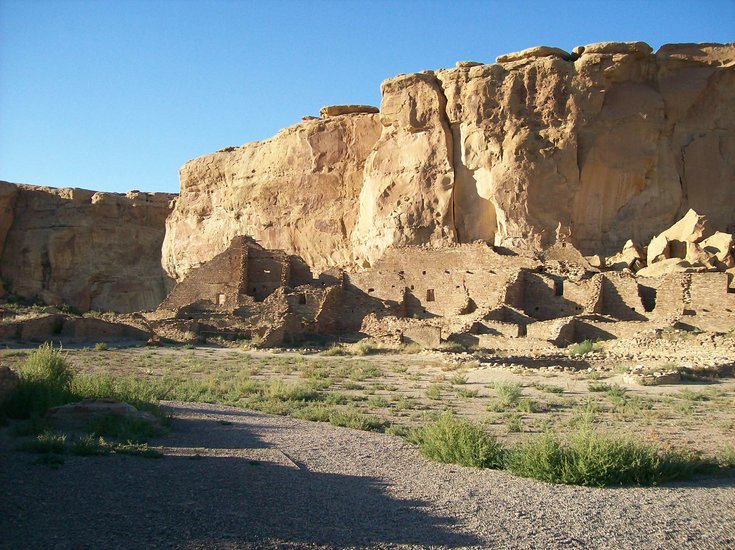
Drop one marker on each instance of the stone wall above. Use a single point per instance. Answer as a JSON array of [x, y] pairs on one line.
[[444, 282]]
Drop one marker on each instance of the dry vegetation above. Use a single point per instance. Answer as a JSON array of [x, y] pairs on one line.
[[395, 390]]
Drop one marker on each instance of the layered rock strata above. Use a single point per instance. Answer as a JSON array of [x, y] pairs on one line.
[[608, 143], [88, 250]]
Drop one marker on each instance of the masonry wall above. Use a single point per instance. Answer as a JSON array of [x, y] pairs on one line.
[[215, 285], [711, 306], [440, 282], [266, 271], [621, 298], [551, 296]]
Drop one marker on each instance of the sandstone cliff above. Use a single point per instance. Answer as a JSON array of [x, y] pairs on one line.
[[298, 191], [594, 147], [85, 249]]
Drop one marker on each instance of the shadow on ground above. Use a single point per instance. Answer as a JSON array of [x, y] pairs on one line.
[[207, 502]]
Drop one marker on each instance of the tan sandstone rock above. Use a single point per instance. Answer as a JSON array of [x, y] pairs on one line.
[[612, 48], [336, 110], [665, 267], [609, 147], [298, 191], [720, 245], [532, 53], [678, 240], [86, 249], [631, 257]]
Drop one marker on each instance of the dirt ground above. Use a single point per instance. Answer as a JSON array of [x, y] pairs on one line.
[[233, 478]]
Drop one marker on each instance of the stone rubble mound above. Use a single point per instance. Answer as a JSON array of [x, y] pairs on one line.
[[691, 244]]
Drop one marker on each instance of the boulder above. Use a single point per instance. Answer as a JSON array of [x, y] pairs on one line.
[[681, 241], [77, 416], [336, 110], [467, 64], [533, 53], [631, 257], [664, 267], [720, 245], [639, 49], [658, 250]]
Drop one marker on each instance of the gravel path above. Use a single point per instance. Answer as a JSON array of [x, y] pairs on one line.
[[239, 479]]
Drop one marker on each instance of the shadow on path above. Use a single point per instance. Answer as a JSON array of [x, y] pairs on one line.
[[212, 502]]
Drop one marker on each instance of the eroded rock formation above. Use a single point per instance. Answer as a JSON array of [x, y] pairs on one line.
[[609, 143], [81, 248], [298, 191]]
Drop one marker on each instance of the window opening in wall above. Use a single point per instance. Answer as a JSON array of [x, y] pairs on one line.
[[411, 287], [220, 299], [430, 295], [423, 272], [558, 287], [371, 290], [647, 295], [302, 298]]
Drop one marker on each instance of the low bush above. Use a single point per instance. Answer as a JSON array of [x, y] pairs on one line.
[[135, 430], [365, 347], [596, 459], [455, 441], [46, 442], [582, 348], [45, 381], [586, 457]]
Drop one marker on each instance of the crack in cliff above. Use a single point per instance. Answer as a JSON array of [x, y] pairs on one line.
[[454, 153]]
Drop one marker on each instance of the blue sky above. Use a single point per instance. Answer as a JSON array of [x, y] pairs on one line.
[[117, 95]]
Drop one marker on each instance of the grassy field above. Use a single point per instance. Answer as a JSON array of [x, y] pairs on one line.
[[394, 392]]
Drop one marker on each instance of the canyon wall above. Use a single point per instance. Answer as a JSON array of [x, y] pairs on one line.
[[88, 250], [594, 147]]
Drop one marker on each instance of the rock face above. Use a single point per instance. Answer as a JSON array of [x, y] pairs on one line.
[[85, 249], [298, 191], [609, 143]]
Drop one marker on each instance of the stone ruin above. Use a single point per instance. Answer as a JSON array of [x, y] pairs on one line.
[[472, 293]]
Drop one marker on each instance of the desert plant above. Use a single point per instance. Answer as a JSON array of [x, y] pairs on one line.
[[508, 395], [334, 349], [131, 429], [434, 391], [411, 348], [45, 381], [457, 379], [89, 445], [596, 459], [46, 442], [101, 346], [365, 347], [455, 441], [452, 346], [582, 348]]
